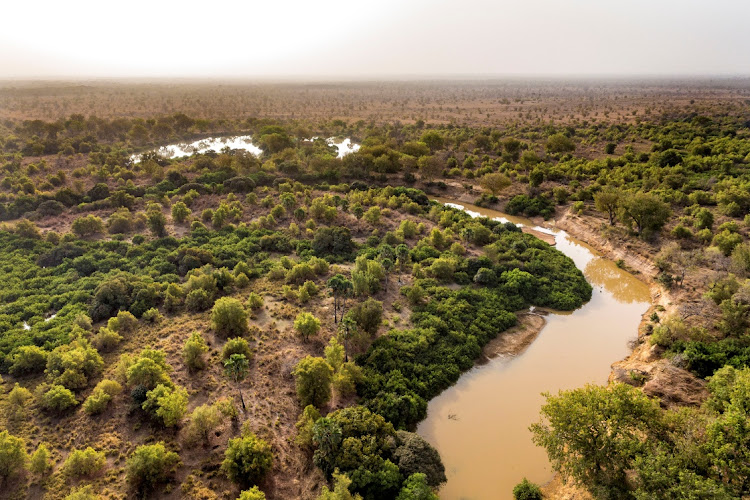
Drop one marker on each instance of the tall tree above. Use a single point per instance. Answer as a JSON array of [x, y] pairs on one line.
[[236, 368]]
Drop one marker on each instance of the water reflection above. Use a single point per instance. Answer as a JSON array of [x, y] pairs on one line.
[[241, 142], [480, 425]]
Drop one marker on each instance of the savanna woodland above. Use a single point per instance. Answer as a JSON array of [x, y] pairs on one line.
[[232, 325]]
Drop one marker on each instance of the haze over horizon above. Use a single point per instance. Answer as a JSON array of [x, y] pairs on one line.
[[338, 39]]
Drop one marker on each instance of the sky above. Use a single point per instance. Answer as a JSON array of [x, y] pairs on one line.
[[364, 39]]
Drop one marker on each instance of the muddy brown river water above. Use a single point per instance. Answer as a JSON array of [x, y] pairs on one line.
[[480, 425]]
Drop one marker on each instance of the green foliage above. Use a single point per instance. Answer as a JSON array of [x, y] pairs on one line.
[[236, 345], [247, 459], [333, 242], [313, 378], [254, 301], [13, 456], [252, 494], [29, 359], [367, 315], [100, 397], [526, 490], [306, 325], [57, 399], [150, 465], [359, 444], [305, 424], [166, 404], [203, 421], [340, 491], [416, 488], [72, 365], [193, 352], [18, 398], [645, 211], [84, 462], [86, 226], [83, 493], [228, 317], [148, 369], [41, 462], [616, 421], [414, 455]]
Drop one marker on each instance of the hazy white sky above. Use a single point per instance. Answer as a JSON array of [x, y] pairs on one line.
[[384, 38]]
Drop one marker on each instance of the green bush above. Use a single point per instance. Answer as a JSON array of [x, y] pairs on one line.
[[194, 350], [84, 462], [57, 399], [526, 490], [166, 404], [228, 317], [247, 460], [150, 465], [100, 397], [306, 325], [237, 345], [13, 456], [313, 379]]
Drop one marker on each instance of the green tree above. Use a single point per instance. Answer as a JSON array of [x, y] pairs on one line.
[[559, 143], [194, 350], [203, 421], [313, 378], [415, 455], [150, 465], [84, 462], [340, 288], [646, 211], [340, 491], [180, 212], [236, 345], [236, 368], [367, 315], [86, 226], [306, 325], [100, 397], [58, 399], [592, 434], [29, 359], [228, 317], [167, 404], [247, 459], [72, 365], [494, 182], [157, 222], [41, 463], [608, 201], [18, 398], [416, 488], [13, 456]]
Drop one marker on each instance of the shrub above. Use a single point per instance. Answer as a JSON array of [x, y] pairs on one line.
[[73, 364], [152, 316], [13, 456], [29, 359], [313, 379], [254, 301], [88, 225], [41, 463], [150, 465], [203, 421], [193, 351], [84, 462], [237, 345], [180, 212], [18, 397], [124, 322], [415, 455], [247, 459], [58, 399], [306, 325], [100, 397], [228, 317], [198, 300], [526, 490], [167, 404], [83, 493], [148, 369], [368, 315], [252, 494], [106, 340], [416, 487]]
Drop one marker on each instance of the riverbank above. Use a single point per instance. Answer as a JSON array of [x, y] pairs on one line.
[[515, 340]]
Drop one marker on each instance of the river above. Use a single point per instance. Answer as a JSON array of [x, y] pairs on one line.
[[480, 424]]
